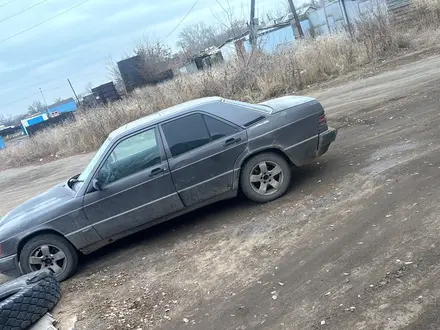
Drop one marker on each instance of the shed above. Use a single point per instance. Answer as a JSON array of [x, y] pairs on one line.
[[27, 122], [68, 105], [106, 92]]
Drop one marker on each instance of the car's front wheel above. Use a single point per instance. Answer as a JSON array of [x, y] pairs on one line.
[[49, 251], [265, 177]]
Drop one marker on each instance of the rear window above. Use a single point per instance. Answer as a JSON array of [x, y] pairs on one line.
[[252, 107], [242, 114]]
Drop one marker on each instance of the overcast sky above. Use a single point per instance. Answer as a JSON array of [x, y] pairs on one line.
[[76, 44]]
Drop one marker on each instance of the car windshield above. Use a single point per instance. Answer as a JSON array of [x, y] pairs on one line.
[[88, 170]]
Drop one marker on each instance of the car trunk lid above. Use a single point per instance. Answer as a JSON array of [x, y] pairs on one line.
[[286, 102]]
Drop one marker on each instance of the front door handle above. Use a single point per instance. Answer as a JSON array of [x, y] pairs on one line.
[[157, 171], [228, 142]]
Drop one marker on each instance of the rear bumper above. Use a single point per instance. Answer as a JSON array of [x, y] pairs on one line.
[[9, 266], [325, 139]]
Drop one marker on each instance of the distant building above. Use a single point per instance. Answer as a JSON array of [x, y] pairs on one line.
[[304, 12], [131, 72], [89, 101], [27, 122], [102, 94], [270, 38], [8, 130], [106, 93], [64, 106], [202, 60], [58, 112]]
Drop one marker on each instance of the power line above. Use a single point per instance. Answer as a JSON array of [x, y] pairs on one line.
[[6, 3], [181, 21], [43, 22], [24, 10], [17, 101], [62, 13], [28, 97], [49, 90], [91, 74]]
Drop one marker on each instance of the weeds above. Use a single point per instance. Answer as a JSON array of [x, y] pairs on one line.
[[427, 13], [254, 78]]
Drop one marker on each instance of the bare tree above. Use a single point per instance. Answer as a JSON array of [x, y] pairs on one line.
[[89, 88], [282, 10], [6, 120], [197, 37], [155, 57], [36, 107], [232, 25], [114, 75]]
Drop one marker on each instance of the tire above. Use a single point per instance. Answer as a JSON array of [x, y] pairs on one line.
[[251, 172], [62, 268], [27, 299]]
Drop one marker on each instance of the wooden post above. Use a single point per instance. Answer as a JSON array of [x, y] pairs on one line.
[[296, 24]]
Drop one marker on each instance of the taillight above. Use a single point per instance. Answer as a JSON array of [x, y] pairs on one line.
[[322, 121]]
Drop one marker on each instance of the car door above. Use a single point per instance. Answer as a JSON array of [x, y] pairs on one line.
[[136, 185], [202, 150]]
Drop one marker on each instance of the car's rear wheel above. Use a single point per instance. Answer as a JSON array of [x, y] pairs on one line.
[[52, 252], [265, 177]]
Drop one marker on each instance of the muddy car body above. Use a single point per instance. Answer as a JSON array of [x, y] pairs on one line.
[[159, 167]]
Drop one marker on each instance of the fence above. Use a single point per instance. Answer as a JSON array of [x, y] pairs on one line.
[[332, 18], [400, 10]]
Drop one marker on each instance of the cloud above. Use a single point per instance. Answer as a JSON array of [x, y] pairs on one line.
[[76, 44], [49, 67], [3, 66], [68, 20], [131, 13]]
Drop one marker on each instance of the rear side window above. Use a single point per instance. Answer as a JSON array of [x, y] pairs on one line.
[[185, 134], [218, 129]]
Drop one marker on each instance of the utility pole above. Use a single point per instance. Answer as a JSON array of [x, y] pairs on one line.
[[73, 90], [253, 28], [296, 25], [44, 99]]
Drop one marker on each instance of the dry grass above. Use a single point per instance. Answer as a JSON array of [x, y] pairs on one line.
[[427, 13], [253, 79]]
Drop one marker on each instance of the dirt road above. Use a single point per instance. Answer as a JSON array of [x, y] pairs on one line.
[[353, 245]]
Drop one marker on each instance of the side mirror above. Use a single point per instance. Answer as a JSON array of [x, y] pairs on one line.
[[96, 185]]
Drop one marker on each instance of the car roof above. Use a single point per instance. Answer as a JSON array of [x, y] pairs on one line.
[[165, 114]]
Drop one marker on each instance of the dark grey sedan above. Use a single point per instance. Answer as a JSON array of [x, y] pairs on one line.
[[160, 167]]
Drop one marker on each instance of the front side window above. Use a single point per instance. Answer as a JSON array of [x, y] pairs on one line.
[[185, 134], [130, 156]]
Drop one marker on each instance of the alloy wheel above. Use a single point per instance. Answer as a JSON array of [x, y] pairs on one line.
[[48, 256], [266, 178]]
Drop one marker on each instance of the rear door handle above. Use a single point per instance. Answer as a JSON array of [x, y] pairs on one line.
[[157, 171], [228, 142]]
